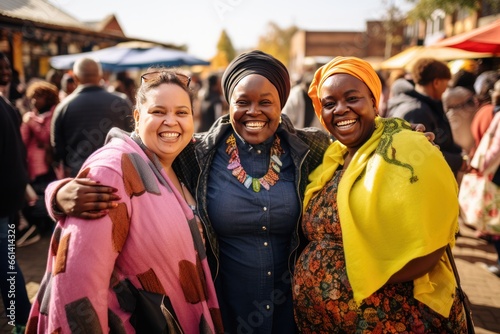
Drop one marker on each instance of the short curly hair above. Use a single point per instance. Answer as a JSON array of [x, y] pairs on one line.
[[426, 70], [44, 88]]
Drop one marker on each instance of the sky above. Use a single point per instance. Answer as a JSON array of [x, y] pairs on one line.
[[198, 23]]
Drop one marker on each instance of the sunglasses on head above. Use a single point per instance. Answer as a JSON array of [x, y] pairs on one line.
[[184, 79]]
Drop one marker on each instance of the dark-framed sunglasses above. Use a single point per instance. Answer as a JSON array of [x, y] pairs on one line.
[[184, 79]]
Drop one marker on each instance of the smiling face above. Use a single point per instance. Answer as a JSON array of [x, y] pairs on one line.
[[165, 121], [348, 110], [255, 109]]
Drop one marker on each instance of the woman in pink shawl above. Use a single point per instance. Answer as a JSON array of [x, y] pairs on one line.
[[149, 241], [35, 131]]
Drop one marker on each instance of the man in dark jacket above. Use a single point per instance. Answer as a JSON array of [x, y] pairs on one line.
[[13, 180], [212, 103], [423, 105], [81, 122]]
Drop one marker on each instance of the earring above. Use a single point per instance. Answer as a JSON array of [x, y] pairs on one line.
[[281, 120]]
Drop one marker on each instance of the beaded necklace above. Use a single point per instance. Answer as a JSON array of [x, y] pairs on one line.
[[268, 180]]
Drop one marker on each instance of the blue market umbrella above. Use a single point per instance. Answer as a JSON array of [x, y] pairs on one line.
[[160, 56], [131, 55]]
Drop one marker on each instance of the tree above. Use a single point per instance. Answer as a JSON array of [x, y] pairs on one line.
[[225, 52], [393, 20], [277, 41], [424, 8]]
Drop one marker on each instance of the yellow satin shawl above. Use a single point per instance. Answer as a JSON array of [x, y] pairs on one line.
[[397, 200]]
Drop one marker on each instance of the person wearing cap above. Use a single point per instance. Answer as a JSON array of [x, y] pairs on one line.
[[379, 213]]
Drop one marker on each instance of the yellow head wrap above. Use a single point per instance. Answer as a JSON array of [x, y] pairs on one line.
[[356, 67]]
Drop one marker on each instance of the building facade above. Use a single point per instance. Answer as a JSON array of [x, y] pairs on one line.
[[32, 31]]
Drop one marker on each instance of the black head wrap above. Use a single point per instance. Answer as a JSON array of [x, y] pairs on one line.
[[257, 62]]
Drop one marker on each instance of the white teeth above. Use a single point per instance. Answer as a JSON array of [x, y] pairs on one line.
[[169, 134], [348, 122], [255, 124]]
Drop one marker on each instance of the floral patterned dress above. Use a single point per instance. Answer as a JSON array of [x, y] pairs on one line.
[[323, 298]]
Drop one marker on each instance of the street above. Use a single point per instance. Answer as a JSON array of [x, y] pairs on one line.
[[472, 255]]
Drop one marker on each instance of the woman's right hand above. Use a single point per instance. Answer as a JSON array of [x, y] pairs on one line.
[[86, 198]]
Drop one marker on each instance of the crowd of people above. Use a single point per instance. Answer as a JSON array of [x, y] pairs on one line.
[[464, 104], [249, 205]]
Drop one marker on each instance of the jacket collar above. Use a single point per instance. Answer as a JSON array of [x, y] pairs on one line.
[[435, 105], [87, 87]]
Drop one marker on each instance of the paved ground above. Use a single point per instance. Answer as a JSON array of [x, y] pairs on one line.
[[472, 255]]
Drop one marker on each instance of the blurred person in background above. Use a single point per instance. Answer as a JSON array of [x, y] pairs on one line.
[[492, 162], [423, 105], [35, 131], [483, 87], [299, 107], [399, 86], [463, 78], [13, 181], [68, 85], [124, 84], [212, 104], [81, 122], [461, 105], [393, 76], [11, 86], [54, 76]]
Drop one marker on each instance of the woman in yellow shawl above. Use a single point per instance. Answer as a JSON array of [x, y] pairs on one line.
[[378, 214]]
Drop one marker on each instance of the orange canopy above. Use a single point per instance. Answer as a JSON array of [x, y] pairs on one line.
[[409, 57]]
